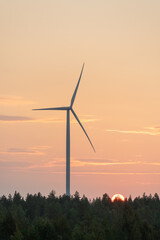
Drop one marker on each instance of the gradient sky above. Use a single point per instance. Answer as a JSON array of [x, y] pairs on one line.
[[43, 45]]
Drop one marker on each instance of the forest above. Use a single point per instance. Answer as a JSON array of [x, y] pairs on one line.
[[38, 217]]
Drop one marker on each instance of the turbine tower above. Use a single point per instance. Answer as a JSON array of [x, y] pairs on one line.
[[68, 109]]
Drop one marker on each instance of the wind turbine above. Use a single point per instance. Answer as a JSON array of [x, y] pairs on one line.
[[68, 109]]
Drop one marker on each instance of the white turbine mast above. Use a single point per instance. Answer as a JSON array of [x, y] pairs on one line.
[[68, 109]]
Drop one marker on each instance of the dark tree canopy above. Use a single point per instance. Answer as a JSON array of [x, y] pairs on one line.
[[76, 218]]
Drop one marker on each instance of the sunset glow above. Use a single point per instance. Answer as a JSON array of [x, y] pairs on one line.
[[118, 197]]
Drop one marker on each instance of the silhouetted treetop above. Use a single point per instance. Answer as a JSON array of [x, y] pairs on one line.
[[38, 217]]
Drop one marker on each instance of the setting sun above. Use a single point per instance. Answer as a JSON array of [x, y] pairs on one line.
[[118, 196]]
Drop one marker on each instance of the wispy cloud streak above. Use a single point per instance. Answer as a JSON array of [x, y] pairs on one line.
[[154, 131], [78, 163], [25, 151], [18, 119], [107, 163], [13, 100], [6, 118], [113, 173], [23, 119], [98, 173]]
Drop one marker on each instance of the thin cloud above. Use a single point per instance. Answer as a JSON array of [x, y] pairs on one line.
[[154, 131], [24, 151], [56, 165], [24, 119], [74, 163], [42, 147], [99, 173], [50, 164], [18, 119], [82, 162], [94, 160], [80, 173], [87, 118], [112, 173], [103, 162], [154, 128], [83, 120], [14, 164], [153, 163], [100, 163], [6, 118], [13, 100]]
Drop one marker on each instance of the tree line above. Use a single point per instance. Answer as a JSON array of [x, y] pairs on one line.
[[38, 217]]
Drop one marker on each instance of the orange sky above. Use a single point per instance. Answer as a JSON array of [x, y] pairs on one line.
[[43, 45]]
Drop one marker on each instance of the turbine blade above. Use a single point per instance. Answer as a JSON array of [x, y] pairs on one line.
[[57, 108], [82, 127], [75, 91]]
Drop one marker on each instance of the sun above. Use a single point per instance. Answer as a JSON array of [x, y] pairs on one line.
[[118, 197]]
